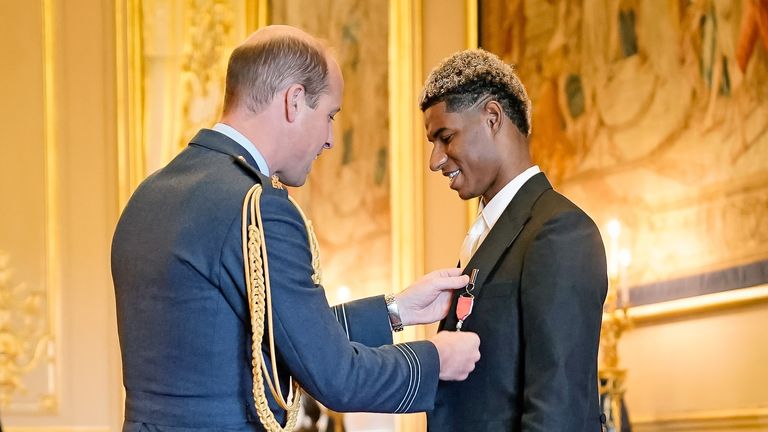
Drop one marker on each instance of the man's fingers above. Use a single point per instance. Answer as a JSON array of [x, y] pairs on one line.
[[446, 272], [450, 283], [458, 353]]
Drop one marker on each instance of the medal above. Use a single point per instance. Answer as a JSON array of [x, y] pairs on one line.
[[466, 301]]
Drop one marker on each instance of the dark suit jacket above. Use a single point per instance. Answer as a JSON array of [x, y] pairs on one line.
[[183, 319], [539, 297]]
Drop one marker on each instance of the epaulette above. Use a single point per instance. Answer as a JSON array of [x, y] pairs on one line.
[[259, 294]]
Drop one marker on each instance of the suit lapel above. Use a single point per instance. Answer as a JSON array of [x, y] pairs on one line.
[[501, 237]]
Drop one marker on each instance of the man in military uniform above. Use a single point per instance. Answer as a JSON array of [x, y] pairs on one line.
[[191, 309]]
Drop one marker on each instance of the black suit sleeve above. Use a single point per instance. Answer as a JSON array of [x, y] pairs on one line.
[[564, 285]]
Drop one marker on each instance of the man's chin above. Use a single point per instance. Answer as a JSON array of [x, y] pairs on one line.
[[466, 195], [291, 181], [295, 183]]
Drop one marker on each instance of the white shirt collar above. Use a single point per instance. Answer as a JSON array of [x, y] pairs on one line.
[[492, 211], [245, 143]]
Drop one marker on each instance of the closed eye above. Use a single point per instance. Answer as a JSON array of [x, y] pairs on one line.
[[332, 115]]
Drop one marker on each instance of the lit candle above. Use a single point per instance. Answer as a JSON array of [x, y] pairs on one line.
[[343, 294], [625, 257], [614, 230]]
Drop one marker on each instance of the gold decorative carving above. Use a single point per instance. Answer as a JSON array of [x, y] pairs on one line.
[[28, 310], [612, 376], [171, 64], [176, 53], [209, 30], [25, 341]]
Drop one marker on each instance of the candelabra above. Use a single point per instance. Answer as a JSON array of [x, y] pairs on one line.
[[615, 321]]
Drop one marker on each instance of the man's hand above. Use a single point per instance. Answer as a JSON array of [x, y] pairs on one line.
[[459, 351], [428, 299]]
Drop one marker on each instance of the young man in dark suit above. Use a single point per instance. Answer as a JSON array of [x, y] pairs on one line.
[[189, 319], [541, 273]]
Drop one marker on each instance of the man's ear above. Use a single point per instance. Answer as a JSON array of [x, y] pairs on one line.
[[494, 115], [294, 101]]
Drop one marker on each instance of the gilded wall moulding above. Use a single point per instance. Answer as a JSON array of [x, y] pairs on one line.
[[208, 37], [182, 49]]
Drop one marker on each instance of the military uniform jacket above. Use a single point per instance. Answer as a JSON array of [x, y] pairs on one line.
[[183, 319], [538, 309]]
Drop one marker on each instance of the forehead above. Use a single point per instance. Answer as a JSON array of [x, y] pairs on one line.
[[335, 80], [437, 117]]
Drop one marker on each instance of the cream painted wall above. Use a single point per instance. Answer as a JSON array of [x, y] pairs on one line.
[[707, 364], [85, 188]]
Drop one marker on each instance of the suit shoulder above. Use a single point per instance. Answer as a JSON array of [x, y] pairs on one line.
[[554, 205]]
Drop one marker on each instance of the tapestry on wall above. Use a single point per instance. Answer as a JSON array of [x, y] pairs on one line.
[[654, 113]]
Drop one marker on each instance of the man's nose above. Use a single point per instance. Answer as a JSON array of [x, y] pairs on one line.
[[437, 159], [329, 140]]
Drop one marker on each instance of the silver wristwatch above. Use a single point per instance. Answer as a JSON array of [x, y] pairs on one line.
[[394, 313]]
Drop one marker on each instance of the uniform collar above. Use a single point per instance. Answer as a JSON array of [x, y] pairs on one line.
[[245, 143]]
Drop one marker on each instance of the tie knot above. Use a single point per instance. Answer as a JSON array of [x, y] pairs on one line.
[[478, 227], [472, 240]]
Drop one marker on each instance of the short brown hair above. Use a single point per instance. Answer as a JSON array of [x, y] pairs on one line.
[[465, 78], [257, 71]]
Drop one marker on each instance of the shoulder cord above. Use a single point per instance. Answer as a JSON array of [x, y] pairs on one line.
[[258, 288]]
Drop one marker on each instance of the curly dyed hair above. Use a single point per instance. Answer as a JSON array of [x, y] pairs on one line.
[[467, 77]]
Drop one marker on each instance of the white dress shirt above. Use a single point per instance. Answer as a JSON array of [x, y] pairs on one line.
[[492, 211], [244, 143]]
